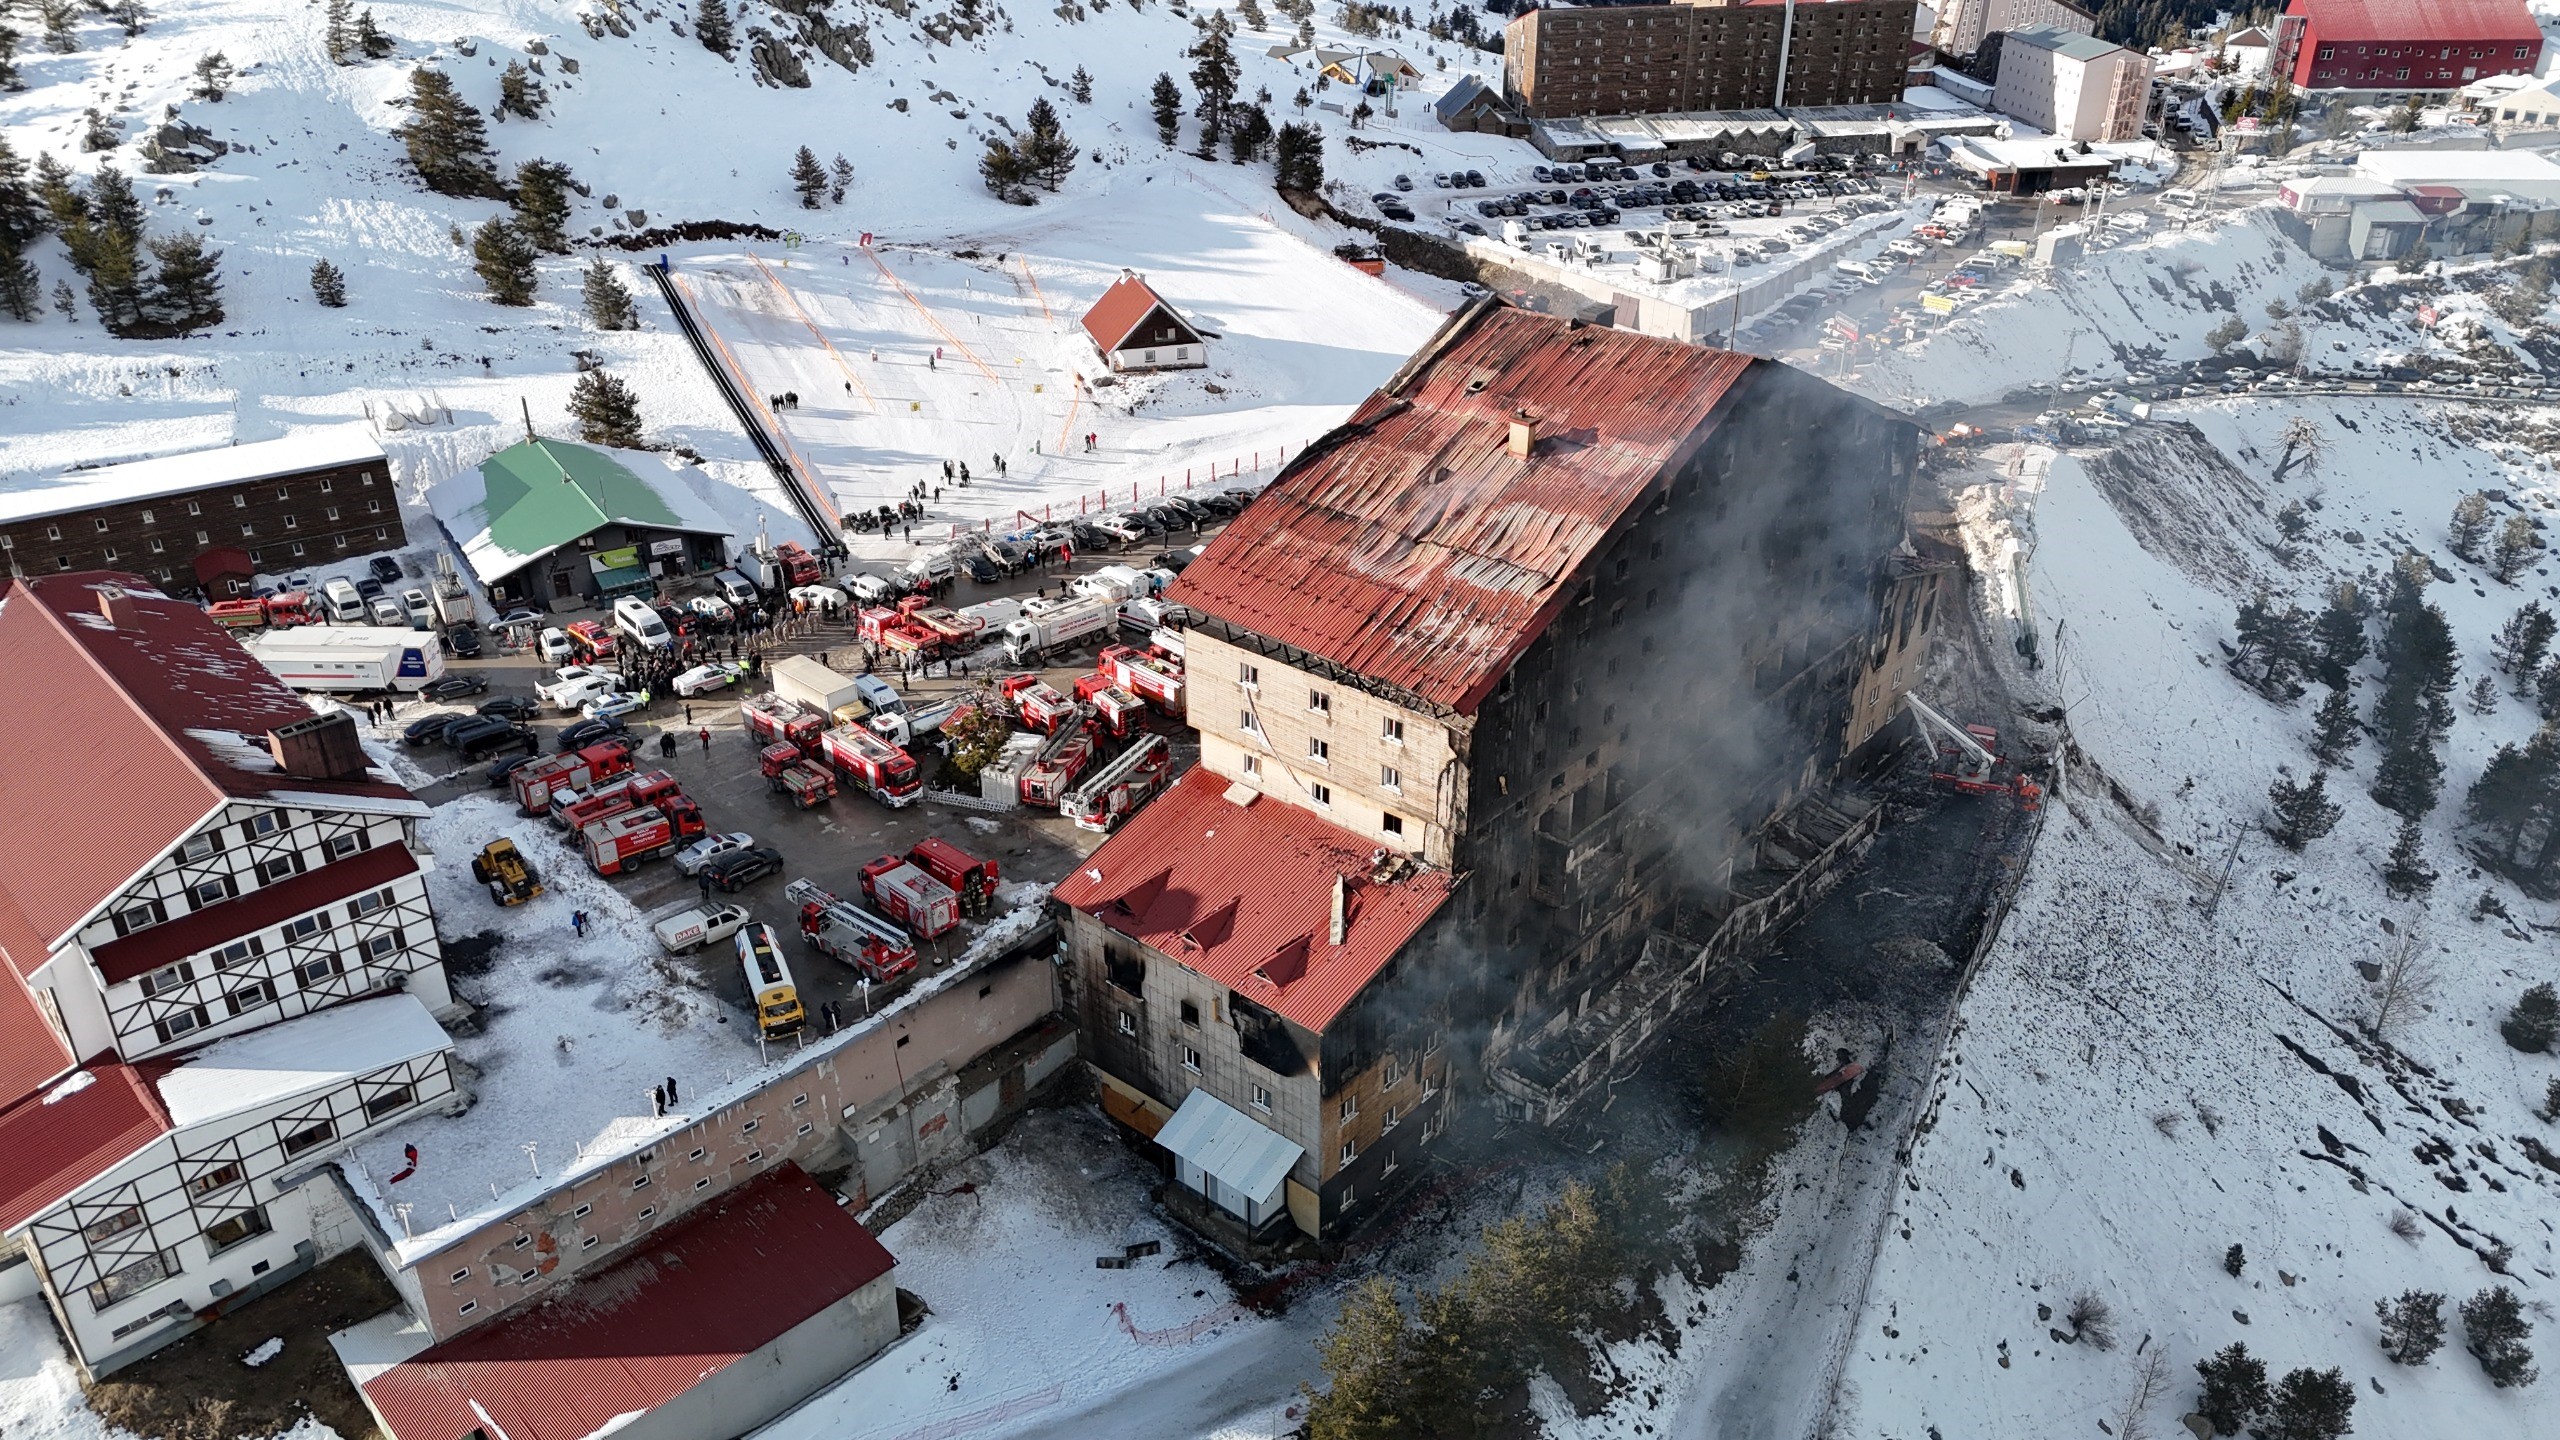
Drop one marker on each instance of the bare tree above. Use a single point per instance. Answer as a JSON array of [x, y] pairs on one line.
[[2303, 446], [2410, 979], [2091, 1320], [2150, 1381]]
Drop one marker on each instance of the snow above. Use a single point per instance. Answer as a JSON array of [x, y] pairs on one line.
[[304, 1053], [264, 1351], [72, 1084], [40, 1395], [142, 479]]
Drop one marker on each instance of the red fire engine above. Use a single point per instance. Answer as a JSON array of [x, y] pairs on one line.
[[615, 796], [1053, 771], [1041, 707], [788, 772], [909, 896], [581, 770], [865, 760], [1152, 678], [621, 842], [1112, 793], [972, 879], [865, 941], [772, 719], [589, 638], [799, 567], [1114, 709]]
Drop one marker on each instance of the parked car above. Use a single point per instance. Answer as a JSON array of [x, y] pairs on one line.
[[481, 736], [711, 607], [430, 729], [454, 687], [739, 869], [575, 685], [703, 679], [614, 705], [553, 644], [499, 771], [694, 856], [588, 732], [1404, 182], [463, 641], [384, 569], [510, 707], [982, 570]]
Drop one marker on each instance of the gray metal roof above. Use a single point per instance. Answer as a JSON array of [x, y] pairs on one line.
[[2064, 43]]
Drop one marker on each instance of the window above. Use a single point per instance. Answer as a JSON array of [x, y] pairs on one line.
[[750, 1127], [582, 1212], [183, 1022], [311, 1137], [647, 1210], [195, 507], [1191, 1014], [1191, 1059], [467, 1307], [1128, 1023], [110, 552], [1349, 1150], [1319, 702], [523, 1240], [239, 952], [248, 1225], [342, 846], [1323, 794], [589, 1243], [1319, 751], [128, 1218], [457, 1277], [261, 825], [239, 502], [1262, 1098], [1248, 723], [139, 917], [1248, 676], [132, 1280], [1390, 777], [1391, 730], [702, 1184], [305, 928], [1389, 1121], [296, 547], [53, 532], [640, 1184], [1253, 765], [318, 968], [248, 531], [204, 537], [168, 979], [374, 507], [364, 905], [281, 868], [293, 522], [330, 514], [249, 997], [383, 946], [398, 1097], [1394, 1073], [1349, 1107], [219, 1178], [1391, 822], [157, 547]]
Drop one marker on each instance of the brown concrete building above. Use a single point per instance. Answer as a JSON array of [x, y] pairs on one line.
[[203, 522], [1705, 55]]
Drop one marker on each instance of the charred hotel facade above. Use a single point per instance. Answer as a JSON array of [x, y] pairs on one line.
[[1527, 700]]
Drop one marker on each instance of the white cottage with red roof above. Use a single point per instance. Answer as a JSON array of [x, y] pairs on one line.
[[1135, 330], [218, 964]]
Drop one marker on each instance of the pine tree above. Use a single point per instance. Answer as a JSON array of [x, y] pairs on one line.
[[327, 285], [22, 215], [542, 205], [1368, 1362], [2494, 1331], [9, 79], [21, 289], [64, 301], [62, 200], [2235, 1388], [2470, 525], [711, 27], [59, 18], [2546, 692], [2412, 1326], [112, 205], [2407, 873], [370, 40], [2522, 642], [2484, 696], [1306, 37], [609, 304], [128, 15], [1080, 85], [213, 78], [1250, 12], [113, 262], [96, 134], [1298, 158], [808, 178], [1046, 155], [1251, 135], [2277, 642], [839, 180], [2335, 729], [1164, 101], [1005, 172], [2303, 813], [2532, 1023], [338, 32], [504, 259], [186, 286], [2516, 546], [447, 144], [1213, 80], [519, 94], [606, 411], [2516, 792], [2311, 1405]]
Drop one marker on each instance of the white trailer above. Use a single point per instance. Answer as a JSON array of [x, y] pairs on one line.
[[1048, 626], [349, 658], [809, 681]]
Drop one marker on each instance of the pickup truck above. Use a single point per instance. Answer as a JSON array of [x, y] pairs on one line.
[[693, 929], [576, 685]]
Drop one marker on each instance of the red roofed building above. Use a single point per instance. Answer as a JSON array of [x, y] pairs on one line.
[[1135, 330], [726, 1320], [2404, 45], [1505, 690]]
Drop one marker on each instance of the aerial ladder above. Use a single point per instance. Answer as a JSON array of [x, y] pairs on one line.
[[1967, 758]]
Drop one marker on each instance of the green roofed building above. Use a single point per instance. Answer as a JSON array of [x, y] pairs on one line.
[[559, 525]]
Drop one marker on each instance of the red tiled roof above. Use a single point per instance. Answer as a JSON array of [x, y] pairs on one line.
[[2338, 20], [1412, 547], [712, 1290], [144, 951], [102, 775], [30, 1053], [56, 1148], [1121, 308], [1243, 894]]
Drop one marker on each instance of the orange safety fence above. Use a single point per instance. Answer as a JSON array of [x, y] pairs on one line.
[[794, 301], [935, 320]]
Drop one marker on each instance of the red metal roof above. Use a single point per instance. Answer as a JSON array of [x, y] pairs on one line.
[[1243, 894], [31, 1055], [103, 774], [144, 951], [1412, 547], [55, 1148], [1121, 308], [712, 1290], [2336, 20]]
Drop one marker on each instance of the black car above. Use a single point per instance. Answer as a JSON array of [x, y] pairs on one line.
[[482, 736], [454, 687], [463, 641], [385, 569], [496, 775], [588, 732], [369, 588], [1475, 179], [1174, 560], [738, 869], [510, 707], [430, 731], [982, 569]]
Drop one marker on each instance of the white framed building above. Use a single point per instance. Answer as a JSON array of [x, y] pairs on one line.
[[2072, 87]]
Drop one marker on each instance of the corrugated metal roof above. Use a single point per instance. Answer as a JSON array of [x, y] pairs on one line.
[[712, 1290], [1412, 547], [30, 1053], [1243, 894], [1122, 309], [2418, 19], [1230, 1145], [538, 495], [325, 1047], [137, 732], [65, 1137]]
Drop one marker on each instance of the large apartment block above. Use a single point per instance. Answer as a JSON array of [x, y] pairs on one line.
[[1521, 696], [1962, 25], [2073, 87], [1706, 55]]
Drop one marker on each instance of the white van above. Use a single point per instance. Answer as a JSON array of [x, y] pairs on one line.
[[635, 617], [731, 586], [1859, 270], [344, 603]]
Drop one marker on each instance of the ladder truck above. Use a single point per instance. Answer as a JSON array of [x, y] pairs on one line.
[[1966, 758], [851, 934]]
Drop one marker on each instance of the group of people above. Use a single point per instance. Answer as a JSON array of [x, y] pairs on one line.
[[787, 400]]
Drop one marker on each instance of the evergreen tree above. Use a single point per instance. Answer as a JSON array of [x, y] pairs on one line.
[[59, 18], [2277, 644], [2470, 525], [370, 40], [327, 285], [447, 144], [1250, 12], [1046, 155], [606, 411], [2515, 793], [504, 259], [112, 203], [839, 180], [2494, 1331], [62, 200], [2412, 1326], [2235, 1388], [609, 304], [114, 268], [2516, 546], [1080, 85], [96, 134], [1367, 1358], [711, 27], [519, 94], [128, 15], [542, 205], [2532, 1023], [1306, 36], [22, 215], [1007, 174], [64, 301], [21, 289], [1251, 135], [9, 80], [808, 178], [2546, 692], [186, 286], [213, 78], [2334, 729], [2311, 1405], [1164, 101], [2484, 696], [2522, 642], [2303, 813], [338, 32], [1298, 158], [2407, 873]]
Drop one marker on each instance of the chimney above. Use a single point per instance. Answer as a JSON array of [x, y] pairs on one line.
[[323, 747], [1524, 433], [118, 606], [1341, 918]]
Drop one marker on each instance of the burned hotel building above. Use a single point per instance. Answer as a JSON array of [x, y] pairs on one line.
[[1526, 700]]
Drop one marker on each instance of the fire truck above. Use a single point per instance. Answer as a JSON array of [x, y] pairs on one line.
[[581, 770], [909, 896], [850, 934], [630, 792], [865, 760], [590, 639], [1053, 771], [293, 607], [1115, 710], [1151, 678], [1112, 793], [1967, 758], [788, 772], [771, 719], [972, 879], [799, 567], [624, 841], [1040, 705]]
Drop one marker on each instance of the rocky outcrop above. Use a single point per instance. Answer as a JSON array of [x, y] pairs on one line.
[[178, 148], [776, 63]]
